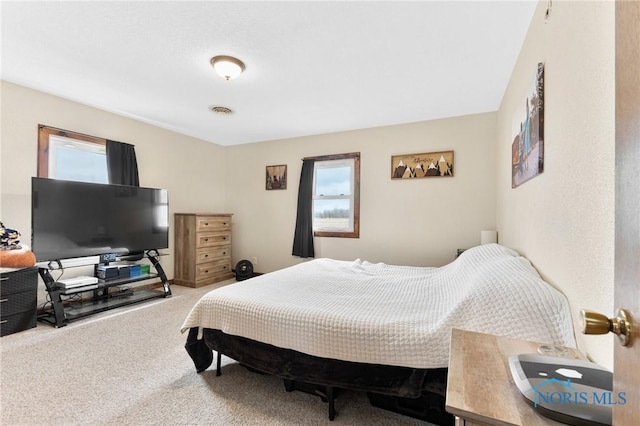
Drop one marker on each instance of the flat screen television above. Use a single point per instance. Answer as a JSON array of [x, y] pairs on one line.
[[79, 219]]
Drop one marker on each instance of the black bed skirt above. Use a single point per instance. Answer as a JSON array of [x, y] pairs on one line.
[[297, 366]]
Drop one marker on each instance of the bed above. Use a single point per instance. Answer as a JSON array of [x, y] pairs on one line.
[[373, 327]]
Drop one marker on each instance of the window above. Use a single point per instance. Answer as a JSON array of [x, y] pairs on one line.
[[336, 196], [71, 156]]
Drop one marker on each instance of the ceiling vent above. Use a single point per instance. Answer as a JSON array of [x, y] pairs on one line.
[[221, 110]]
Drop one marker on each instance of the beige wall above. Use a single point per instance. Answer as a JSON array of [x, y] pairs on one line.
[[192, 170], [411, 222], [563, 220]]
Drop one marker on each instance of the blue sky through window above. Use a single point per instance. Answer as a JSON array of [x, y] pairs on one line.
[[333, 180], [82, 166]]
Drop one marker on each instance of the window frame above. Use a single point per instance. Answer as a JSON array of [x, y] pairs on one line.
[[44, 132], [355, 196]]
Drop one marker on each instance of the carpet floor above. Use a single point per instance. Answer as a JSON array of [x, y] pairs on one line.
[[129, 366]]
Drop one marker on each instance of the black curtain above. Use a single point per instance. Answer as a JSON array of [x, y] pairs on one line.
[[122, 164], [303, 238]]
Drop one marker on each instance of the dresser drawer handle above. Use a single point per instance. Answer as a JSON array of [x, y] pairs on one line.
[[206, 239], [206, 255], [224, 238], [3, 321], [224, 223], [224, 252], [206, 224], [206, 272], [4, 300], [4, 279]]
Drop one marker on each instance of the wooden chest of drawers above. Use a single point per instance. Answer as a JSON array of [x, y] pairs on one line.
[[202, 249], [18, 299]]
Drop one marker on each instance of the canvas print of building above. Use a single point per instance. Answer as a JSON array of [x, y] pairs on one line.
[[429, 164], [527, 148]]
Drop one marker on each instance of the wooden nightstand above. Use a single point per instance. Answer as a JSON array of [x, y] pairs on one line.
[[480, 389]]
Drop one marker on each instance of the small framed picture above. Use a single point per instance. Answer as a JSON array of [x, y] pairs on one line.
[[276, 177]]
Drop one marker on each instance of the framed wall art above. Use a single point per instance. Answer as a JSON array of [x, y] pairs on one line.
[[276, 177], [527, 148], [414, 166]]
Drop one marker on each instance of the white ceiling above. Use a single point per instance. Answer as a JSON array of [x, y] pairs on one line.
[[312, 67]]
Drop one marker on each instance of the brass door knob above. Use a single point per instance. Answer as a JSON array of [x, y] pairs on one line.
[[597, 323]]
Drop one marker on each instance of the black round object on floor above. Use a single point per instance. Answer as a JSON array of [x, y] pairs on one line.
[[244, 270]]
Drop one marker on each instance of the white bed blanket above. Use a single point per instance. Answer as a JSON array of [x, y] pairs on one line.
[[392, 315]]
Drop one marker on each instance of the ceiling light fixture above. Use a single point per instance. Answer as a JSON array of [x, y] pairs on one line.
[[227, 67]]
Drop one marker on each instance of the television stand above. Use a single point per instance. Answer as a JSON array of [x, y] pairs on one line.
[[73, 304]]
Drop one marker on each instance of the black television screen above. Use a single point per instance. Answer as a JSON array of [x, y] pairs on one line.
[[78, 219]]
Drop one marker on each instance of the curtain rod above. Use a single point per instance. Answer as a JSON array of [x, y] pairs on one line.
[[332, 156]]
